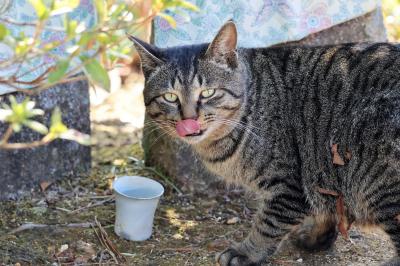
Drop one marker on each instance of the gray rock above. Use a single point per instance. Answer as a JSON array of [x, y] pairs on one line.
[[21, 171]]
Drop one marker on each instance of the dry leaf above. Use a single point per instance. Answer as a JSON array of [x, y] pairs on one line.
[[63, 248], [218, 245], [348, 155], [65, 254], [44, 185], [177, 236], [89, 253], [343, 225], [86, 248], [336, 156], [327, 192]]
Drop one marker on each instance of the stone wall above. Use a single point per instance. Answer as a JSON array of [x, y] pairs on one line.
[[21, 171]]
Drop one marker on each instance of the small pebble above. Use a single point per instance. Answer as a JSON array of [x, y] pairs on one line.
[[233, 220], [63, 248], [177, 236]]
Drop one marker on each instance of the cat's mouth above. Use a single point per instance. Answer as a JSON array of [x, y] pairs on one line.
[[196, 134]]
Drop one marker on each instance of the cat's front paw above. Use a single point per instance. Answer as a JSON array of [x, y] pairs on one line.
[[393, 262], [231, 257]]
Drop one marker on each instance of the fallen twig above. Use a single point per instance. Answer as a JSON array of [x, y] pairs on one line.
[[29, 226], [63, 209], [180, 249], [91, 205], [106, 243]]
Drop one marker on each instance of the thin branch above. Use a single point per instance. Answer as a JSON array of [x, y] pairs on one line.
[[38, 89], [92, 205], [7, 135], [26, 145], [30, 226], [40, 78], [106, 242], [27, 24]]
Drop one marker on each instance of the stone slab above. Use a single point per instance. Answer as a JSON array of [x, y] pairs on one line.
[[21, 171]]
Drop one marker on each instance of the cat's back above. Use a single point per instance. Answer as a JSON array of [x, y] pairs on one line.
[[347, 57], [328, 93], [344, 72]]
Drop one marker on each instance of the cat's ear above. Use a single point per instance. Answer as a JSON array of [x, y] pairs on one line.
[[223, 48], [149, 55]]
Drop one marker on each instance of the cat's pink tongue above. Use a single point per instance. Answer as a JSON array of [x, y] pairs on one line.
[[187, 127]]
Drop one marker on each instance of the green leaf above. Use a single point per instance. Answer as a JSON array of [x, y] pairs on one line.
[[85, 39], [171, 21], [101, 9], [71, 26], [72, 134], [103, 38], [56, 117], [57, 127], [116, 10], [96, 73], [40, 8], [12, 100], [16, 127], [5, 114], [24, 45], [59, 71], [187, 5], [64, 6], [36, 126], [51, 45], [3, 32]]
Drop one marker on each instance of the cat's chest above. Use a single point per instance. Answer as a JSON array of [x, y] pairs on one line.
[[231, 170]]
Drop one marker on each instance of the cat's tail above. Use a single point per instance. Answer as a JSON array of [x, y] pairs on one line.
[[315, 234]]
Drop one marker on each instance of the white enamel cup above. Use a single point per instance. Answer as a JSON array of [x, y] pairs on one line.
[[136, 200]]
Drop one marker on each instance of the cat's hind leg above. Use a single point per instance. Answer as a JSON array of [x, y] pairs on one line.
[[392, 227], [383, 197]]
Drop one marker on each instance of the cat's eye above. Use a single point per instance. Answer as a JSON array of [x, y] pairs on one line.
[[170, 97], [207, 93]]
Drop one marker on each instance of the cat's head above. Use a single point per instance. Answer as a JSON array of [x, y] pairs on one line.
[[196, 92]]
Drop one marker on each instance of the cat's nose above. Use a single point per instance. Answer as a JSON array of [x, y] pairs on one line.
[[191, 117], [189, 113]]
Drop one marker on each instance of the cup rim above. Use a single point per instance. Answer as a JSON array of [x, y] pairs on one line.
[[138, 177]]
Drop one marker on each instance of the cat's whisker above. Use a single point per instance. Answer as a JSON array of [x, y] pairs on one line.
[[164, 132], [235, 123]]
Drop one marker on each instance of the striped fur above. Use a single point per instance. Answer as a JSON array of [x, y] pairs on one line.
[[271, 125]]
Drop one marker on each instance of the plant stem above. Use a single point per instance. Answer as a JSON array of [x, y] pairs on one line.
[[6, 136], [18, 146]]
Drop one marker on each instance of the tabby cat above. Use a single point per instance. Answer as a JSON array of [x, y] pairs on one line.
[[271, 119]]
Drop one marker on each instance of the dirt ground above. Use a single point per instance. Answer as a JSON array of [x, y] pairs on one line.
[[192, 223]]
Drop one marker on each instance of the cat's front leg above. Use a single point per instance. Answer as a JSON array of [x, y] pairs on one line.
[[275, 219]]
